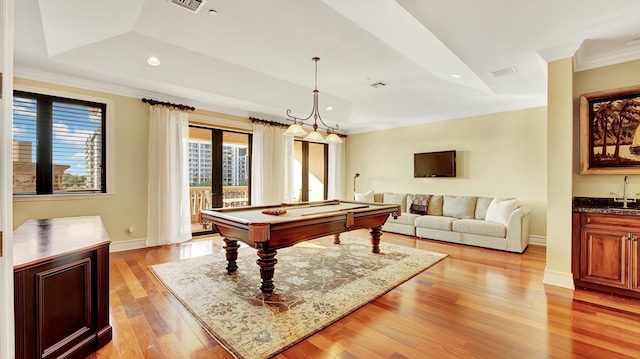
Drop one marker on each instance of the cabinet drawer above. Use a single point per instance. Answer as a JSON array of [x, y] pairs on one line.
[[631, 223]]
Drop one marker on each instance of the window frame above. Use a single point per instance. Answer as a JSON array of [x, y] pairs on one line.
[[108, 141]]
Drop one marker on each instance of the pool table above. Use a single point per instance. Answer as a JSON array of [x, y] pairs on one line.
[[289, 224]]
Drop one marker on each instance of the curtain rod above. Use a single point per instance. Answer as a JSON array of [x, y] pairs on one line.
[[153, 102], [272, 123]]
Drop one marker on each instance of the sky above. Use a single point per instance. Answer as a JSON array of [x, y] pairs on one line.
[[72, 126]]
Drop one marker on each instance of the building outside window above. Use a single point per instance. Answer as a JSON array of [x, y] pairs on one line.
[[235, 164]]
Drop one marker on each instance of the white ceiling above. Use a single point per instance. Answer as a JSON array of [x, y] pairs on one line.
[[254, 58]]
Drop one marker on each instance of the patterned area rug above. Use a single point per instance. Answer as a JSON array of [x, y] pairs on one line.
[[317, 283]]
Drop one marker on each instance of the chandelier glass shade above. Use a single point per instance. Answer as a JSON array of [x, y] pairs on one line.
[[333, 138], [296, 128], [314, 136]]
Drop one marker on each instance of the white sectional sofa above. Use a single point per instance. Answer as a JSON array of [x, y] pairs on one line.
[[478, 221]]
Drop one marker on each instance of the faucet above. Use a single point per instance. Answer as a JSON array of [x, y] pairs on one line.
[[624, 199]]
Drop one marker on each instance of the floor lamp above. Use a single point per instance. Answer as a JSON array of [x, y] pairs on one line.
[[354, 181]]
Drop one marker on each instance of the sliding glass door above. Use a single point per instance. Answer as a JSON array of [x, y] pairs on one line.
[[219, 165], [310, 171]]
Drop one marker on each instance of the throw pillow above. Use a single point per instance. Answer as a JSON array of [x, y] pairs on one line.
[[482, 204], [419, 203], [396, 198], [500, 209], [363, 197], [435, 205], [459, 206]]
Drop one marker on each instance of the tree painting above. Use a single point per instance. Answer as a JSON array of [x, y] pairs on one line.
[[615, 131]]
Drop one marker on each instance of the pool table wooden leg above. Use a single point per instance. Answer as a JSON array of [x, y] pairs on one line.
[[232, 254], [267, 263], [375, 239], [336, 238]]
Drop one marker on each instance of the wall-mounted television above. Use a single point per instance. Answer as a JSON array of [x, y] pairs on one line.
[[434, 164]]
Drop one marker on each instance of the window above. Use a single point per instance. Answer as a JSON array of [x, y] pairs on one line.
[[311, 171], [58, 145], [219, 167]]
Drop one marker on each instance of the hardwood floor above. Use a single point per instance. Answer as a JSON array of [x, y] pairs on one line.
[[477, 303]]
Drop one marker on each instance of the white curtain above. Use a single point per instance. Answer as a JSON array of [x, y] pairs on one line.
[[336, 171], [169, 219], [268, 165], [289, 165]]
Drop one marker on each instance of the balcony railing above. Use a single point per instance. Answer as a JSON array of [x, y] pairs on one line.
[[232, 196]]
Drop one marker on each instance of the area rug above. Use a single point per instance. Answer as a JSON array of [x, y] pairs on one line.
[[317, 283]]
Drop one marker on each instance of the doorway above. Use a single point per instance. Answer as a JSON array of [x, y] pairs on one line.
[[219, 172], [311, 171]]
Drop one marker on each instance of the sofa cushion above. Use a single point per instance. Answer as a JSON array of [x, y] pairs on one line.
[[475, 226], [396, 198], [434, 222], [500, 209], [459, 206], [418, 203], [405, 218], [363, 197], [435, 205], [482, 204]]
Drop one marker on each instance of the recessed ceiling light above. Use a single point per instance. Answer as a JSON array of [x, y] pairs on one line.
[[456, 76], [213, 12], [153, 61], [635, 41], [329, 108]]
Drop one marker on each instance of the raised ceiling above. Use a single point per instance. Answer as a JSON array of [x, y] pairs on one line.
[[254, 57]]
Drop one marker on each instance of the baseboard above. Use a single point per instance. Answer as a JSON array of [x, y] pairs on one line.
[[538, 240], [120, 246], [559, 279]]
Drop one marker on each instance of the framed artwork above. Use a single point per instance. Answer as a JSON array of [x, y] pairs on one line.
[[610, 132]]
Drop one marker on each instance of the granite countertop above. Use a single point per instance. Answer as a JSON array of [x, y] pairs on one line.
[[604, 206]]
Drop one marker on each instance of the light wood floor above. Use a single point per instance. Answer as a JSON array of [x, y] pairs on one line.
[[477, 303]]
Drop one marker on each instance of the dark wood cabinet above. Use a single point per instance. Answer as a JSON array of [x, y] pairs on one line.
[[61, 280], [605, 251]]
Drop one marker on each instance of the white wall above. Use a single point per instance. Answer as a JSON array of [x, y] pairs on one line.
[[501, 154]]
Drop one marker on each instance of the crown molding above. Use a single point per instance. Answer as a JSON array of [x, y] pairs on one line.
[[582, 62], [559, 52]]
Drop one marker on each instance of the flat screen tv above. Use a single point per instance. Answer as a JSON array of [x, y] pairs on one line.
[[434, 164]]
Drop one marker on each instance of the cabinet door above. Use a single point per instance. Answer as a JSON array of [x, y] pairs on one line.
[[635, 267], [604, 257]]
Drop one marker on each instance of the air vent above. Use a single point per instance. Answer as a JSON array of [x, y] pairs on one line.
[[379, 84], [505, 72], [192, 5]]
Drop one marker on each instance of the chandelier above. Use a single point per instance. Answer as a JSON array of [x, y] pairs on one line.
[[296, 128]]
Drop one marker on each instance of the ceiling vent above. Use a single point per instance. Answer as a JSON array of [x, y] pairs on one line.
[[192, 5], [505, 72], [379, 84]]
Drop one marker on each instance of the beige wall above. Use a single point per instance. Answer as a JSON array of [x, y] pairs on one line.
[[501, 154], [604, 78], [559, 149], [128, 206], [565, 88]]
